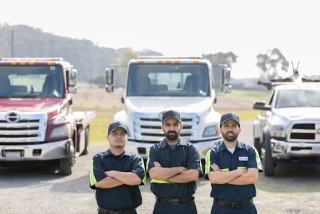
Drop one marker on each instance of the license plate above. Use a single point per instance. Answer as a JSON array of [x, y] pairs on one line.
[[316, 150], [13, 155]]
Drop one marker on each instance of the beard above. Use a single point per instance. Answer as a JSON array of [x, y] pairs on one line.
[[230, 136], [172, 135]]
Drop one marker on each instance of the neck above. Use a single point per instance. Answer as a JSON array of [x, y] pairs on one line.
[[230, 145], [116, 151]]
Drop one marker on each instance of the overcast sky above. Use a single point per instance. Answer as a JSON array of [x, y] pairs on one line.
[[245, 27]]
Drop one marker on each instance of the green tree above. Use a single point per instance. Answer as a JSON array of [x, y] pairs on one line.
[[121, 65], [221, 58], [272, 62]]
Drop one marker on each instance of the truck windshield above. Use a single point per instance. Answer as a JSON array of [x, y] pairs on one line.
[[168, 80], [31, 81], [298, 98]]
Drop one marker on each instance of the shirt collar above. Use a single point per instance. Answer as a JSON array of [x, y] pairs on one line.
[[221, 146], [164, 143], [108, 153]]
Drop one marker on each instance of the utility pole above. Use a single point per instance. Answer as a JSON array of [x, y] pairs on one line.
[[12, 43]]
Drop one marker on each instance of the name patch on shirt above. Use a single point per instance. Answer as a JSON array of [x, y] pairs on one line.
[[243, 158]]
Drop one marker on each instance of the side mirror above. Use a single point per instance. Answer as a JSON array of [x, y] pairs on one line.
[[261, 105], [72, 80], [109, 80], [226, 80]]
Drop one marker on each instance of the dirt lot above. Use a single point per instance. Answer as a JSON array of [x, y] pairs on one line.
[[294, 190]]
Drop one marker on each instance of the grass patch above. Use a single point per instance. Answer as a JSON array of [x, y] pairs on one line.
[[99, 127], [254, 95]]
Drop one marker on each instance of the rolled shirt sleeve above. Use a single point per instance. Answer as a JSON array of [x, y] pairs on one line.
[[254, 159], [96, 171], [138, 169], [194, 160]]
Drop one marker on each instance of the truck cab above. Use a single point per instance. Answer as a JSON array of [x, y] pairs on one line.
[[37, 121], [288, 129], [156, 84]]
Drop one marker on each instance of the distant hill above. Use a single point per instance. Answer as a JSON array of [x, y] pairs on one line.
[[90, 59]]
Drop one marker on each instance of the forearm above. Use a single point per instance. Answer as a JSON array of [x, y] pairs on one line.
[[162, 173], [244, 179], [108, 183], [128, 178], [185, 177], [219, 177]]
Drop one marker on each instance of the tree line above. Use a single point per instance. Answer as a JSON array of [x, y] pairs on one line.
[[91, 59]]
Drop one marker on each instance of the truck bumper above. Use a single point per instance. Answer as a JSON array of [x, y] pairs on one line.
[[142, 149], [287, 150], [36, 152]]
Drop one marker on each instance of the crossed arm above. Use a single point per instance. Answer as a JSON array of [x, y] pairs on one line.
[[235, 177], [174, 174], [117, 178]]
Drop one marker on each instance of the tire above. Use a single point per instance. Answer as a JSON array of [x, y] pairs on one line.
[[257, 145], [86, 144], [67, 163], [268, 164]]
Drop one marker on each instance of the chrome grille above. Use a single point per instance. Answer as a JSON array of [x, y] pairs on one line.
[[304, 132], [24, 128], [147, 127]]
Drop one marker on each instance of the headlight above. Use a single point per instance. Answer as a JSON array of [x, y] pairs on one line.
[[278, 131], [61, 131], [210, 131]]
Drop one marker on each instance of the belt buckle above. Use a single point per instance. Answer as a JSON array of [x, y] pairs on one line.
[[175, 201], [235, 205]]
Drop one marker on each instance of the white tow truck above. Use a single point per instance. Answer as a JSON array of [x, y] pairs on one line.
[[155, 84], [288, 130]]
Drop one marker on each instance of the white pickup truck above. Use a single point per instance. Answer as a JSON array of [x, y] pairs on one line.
[[155, 84], [288, 130]]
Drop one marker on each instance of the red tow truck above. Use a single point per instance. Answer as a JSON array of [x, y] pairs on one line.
[[37, 121]]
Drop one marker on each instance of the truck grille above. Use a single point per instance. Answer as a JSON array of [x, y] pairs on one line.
[[304, 132], [22, 127], [147, 127]]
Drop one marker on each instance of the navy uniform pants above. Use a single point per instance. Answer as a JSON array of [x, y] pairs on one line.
[[219, 209], [185, 208]]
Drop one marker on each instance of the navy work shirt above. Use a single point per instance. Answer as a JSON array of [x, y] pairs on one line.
[[184, 154], [123, 197], [244, 156]]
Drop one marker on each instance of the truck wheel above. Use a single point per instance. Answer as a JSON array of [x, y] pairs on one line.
[[85, 151], [257, 145], [268, 164], [67, 163]]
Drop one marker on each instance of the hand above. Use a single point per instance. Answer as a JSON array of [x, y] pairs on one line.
[[109, 173], [242, 171], [215, 167], [157, 164]]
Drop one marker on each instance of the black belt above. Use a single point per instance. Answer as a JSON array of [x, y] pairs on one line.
[[103, 210], [233, 205], [175, 200]]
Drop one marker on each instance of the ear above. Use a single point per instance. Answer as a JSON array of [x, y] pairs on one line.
[[181, 125]]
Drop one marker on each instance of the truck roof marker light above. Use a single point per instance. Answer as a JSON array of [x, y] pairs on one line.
[[177, 62], [140, 61], [50, 63], [159, 61], [22, 63], [13, 63], [168, 61], [31, 63], [195, 62]]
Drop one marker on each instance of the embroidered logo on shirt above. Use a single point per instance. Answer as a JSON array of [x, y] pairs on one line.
[[243, 158]]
